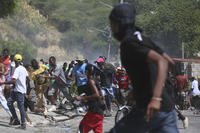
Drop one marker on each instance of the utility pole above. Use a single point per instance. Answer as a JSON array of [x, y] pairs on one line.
[[108, 34], [183, 50], [105, 4], [109, 44]]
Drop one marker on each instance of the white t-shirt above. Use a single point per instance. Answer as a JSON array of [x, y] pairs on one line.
[[195, 88], [20, 75]]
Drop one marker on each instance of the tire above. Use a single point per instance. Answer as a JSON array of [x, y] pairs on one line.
[[121, 113]]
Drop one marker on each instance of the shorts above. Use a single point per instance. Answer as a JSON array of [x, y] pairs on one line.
[[108, 91], [92, 121]]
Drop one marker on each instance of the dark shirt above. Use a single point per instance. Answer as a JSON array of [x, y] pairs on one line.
[[134, 54], [107, 75]]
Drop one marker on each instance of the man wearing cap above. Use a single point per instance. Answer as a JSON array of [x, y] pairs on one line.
[[146, 65], [78, 73], [107, 76], [18, 94]]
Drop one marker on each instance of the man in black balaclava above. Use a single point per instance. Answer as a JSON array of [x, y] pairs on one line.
[[146, 65]]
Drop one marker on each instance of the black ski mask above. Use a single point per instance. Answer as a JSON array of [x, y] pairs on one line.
[[123, 16]]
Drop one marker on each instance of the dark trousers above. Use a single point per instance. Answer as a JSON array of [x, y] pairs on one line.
[[19, 97]]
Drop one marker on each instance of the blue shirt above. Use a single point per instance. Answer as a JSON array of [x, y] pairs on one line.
[[79, 74]]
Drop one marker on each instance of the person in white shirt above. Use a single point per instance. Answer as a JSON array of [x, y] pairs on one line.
[[195, 87], [18, 94]]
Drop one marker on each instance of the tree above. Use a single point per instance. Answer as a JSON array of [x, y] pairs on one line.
[[175, 21], [27, 50], [6, 7]]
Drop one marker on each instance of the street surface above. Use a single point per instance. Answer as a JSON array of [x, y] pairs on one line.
[[67, 122]]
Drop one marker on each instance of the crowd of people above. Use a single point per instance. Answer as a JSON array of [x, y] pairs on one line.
[[188, 92], [39, 83], [144, 74]]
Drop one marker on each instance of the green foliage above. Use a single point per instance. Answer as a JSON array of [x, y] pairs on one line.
[[162, 18], [170, 22], [6, 7], [27, 50]]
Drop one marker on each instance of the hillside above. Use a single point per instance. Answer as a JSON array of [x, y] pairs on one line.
[[29, 29], [67, 28]]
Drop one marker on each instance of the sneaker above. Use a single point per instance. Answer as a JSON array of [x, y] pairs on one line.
[[185, 122], [52, 108], [30, 124], [23, 126], [81, 109], [45, 112]]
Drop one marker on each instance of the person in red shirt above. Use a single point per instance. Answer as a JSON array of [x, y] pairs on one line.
[[182, 82], [5, 59], [122, 78], [123, 84]]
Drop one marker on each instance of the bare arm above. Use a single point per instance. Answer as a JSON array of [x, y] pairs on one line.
[[162, 67], [95, 92], [13, 81], [47, 76], [169, 59]]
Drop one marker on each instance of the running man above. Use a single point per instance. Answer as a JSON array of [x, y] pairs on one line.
[[147, 67]]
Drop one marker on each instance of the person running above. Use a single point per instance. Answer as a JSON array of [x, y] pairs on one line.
[[19, 79], [93, 119], [8, 62], [78, 73], [3, 101], [195, 87], [41, 85], [59, 83], [107, 76], [123, 84], [79, 76], [147, 66], [181, 86]]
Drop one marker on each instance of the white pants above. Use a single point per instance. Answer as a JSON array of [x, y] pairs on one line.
[[3, 102]]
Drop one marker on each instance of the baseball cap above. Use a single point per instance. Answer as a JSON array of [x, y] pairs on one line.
[[100, 60]]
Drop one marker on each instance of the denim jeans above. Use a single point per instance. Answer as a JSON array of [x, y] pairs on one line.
[[19, 97], [134, 122], [109, 94]]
